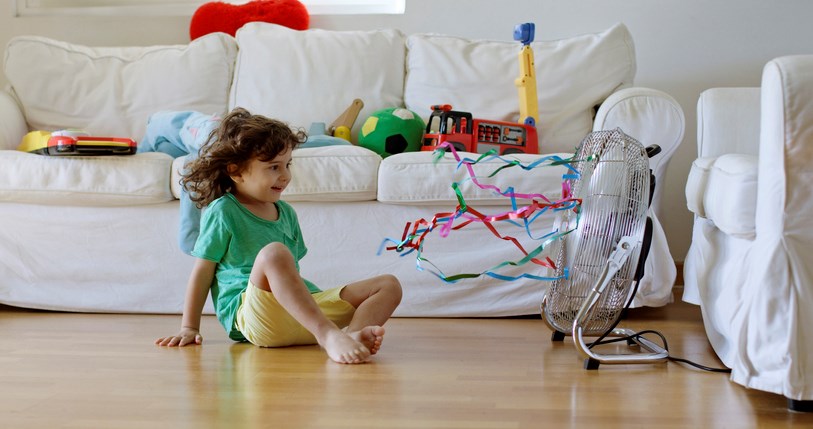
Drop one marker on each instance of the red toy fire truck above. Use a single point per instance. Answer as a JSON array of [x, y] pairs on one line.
[[467, 134]]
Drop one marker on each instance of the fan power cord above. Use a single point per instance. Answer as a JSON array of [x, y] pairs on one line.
[[665, 347]]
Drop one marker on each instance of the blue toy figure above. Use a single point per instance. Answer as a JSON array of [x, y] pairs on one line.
[[318, 137]]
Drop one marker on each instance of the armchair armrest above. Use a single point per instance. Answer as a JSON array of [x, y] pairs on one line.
[[651, 117], [12, 122], [785, 152], [728, 121]]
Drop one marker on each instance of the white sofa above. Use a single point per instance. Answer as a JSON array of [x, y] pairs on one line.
[[99, 234], [749, 264]]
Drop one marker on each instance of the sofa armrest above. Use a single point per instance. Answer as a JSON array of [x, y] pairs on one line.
[[12, 122], [651, 117], [728, 121]]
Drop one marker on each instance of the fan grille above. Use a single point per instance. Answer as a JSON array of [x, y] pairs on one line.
[[614, 189]]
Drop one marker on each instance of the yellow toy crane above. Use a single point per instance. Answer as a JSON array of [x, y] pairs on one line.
[[526, 82]]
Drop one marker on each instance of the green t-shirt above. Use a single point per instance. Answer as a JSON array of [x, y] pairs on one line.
[[232, 236]]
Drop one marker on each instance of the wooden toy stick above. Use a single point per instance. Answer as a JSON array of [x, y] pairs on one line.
[[347, 118]]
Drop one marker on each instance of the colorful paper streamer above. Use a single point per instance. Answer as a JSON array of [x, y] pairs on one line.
[[415, 233]]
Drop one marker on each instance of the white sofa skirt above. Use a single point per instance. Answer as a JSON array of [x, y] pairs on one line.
[[359, 228], [92, 258], [132, 263]]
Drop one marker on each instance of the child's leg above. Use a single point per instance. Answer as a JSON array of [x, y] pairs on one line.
[[275, 271], [375, 300]]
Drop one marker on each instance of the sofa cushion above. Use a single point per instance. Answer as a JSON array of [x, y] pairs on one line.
[[322, 174], [415, 178], [113, 90], [573, 76], [312, 76], [85, 181], [731, 194]]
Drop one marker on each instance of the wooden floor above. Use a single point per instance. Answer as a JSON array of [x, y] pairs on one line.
[[88, 371]]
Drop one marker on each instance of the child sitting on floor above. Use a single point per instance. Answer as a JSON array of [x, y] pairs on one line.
[[249, 248]]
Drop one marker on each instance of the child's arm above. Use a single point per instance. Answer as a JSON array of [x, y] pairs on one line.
[[196, 292]]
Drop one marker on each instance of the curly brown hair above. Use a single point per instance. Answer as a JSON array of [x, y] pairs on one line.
[[240, 138]]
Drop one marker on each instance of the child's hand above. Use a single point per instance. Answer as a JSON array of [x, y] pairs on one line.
[[185, 337]]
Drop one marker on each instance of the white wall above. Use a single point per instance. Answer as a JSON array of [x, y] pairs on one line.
[[683, 46]]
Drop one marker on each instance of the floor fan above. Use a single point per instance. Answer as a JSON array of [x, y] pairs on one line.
[[602, 257]]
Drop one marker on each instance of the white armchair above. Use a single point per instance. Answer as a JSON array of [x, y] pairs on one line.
[[750, 264]]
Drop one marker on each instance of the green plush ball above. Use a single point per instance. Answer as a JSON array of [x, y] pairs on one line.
[[391, 131]]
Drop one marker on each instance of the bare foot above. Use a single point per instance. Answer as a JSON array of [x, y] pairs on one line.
[[370, 336], [344, 349]]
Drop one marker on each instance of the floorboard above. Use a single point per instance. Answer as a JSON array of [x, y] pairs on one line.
[[62, 370]]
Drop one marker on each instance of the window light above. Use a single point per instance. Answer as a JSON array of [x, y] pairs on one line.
[[187, 7]]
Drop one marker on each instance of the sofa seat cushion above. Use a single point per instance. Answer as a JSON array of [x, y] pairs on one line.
[[573, 76], [416, 178], [322, 174], [724, 190], [85, 181], [302, 77], [111, 91]]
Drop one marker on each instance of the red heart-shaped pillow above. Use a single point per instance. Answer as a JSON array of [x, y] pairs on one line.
[[227, 18]]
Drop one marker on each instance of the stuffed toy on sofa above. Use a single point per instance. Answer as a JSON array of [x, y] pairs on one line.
[[228, 18]]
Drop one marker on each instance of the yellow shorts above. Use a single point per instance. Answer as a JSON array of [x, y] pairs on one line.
[[265, 323]]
